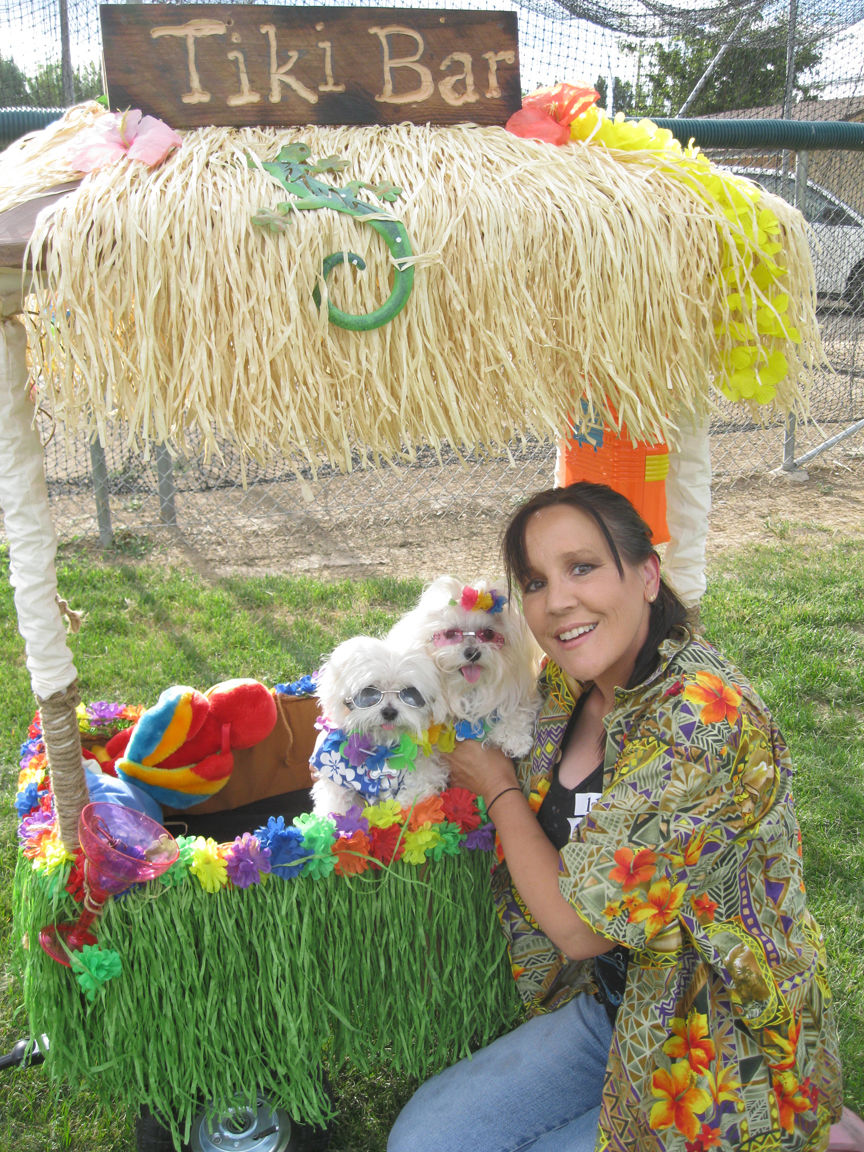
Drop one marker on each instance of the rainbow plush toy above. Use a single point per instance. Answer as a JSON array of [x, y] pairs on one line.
[[181, 749]]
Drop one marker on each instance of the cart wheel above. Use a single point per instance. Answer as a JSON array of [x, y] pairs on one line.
[[242, 1129]]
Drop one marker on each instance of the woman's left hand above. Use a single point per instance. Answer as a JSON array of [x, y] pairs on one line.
[[480, 768]]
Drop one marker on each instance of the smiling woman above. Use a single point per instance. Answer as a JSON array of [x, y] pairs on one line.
[[650, 889]]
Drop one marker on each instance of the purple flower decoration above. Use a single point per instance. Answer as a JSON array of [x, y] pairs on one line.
[[32, 826], [103, 711], [29, 749], [353, 821], [482, 839], [288, 854], [246, 860], [357, 749]]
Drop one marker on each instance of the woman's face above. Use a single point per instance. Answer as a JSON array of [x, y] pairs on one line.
[[587, 619]]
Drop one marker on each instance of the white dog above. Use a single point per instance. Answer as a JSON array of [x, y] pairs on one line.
[[487, 659], [377, 701]]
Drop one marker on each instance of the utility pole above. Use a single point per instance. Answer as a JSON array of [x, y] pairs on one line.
[[65, 55]]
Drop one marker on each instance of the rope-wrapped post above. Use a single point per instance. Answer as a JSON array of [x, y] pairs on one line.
[[32, 551], [62, 740]]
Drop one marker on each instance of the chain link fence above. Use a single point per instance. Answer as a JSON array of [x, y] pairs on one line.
[[803, 60]]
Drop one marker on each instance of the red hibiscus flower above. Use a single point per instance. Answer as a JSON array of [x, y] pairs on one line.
[[385, 844], [633, 868], [460, 807]]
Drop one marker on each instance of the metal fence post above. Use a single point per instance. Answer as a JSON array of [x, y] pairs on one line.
[[801, 160], [99, 472], [165, 481]]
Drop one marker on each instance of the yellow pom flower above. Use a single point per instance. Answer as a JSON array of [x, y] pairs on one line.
[[418, 843], [208, 865], [52, 854], [384, 815]]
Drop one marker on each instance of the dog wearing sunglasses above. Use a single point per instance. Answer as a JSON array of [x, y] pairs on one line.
[[377, 704], [485, 656]]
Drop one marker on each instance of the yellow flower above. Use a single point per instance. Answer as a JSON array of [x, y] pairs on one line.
[[690, 852], [784, 1047], [384, 815], [723, 1086], [680, 1101], [537, 795], [659, 908], [208, 865], [52, 853], [791, 1097], [418, 843], [691, 1041]]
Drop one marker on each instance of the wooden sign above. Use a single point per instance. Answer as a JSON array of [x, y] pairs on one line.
[[193, 65]]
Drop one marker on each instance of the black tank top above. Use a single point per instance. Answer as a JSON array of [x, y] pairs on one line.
[[561, 813]]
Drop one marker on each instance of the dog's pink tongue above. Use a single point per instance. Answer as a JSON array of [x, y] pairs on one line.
[[471, 672]]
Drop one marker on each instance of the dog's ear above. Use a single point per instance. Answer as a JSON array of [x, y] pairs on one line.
[[334, 678]]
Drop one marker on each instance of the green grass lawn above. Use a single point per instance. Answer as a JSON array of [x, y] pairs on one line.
[[794, 622]]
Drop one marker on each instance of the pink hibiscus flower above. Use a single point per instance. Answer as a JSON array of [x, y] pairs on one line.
[[129, 134]]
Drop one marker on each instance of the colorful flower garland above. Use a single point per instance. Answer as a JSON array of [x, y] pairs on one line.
[[365, 838], [751, 326]]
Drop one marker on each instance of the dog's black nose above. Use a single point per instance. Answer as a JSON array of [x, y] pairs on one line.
[[389, 713], [472, 654]]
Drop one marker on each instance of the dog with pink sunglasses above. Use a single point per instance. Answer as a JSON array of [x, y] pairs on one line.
[[486, 658]]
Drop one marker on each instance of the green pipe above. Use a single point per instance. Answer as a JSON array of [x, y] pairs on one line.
[[796, 135], [15, 122]]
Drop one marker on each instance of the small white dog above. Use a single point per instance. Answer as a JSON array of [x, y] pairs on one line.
[[487, 659], [376, 702]]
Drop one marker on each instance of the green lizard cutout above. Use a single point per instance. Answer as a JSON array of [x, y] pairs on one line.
[[297, 175]]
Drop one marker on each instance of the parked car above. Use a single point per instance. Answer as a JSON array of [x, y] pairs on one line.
[[837, 235]]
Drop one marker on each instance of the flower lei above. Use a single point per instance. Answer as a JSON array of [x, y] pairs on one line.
[[353, 761], [309, 847], [751, 322]]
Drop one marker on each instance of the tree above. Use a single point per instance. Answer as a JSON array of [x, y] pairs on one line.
[[45, 87], [751, 73], [13, 85], [623, 94]]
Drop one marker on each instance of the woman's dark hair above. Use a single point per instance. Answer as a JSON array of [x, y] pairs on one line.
[[629, 540]]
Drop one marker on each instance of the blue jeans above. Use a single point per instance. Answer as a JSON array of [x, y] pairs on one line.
[[536, 1088]]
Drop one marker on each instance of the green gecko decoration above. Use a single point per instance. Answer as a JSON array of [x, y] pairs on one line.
[[297, 175]]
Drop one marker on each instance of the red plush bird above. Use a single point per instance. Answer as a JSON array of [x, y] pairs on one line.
[[181, 749]]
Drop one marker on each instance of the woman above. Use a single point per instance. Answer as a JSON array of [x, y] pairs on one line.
[[651, 890]]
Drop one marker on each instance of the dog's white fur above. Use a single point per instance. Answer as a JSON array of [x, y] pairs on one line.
[[361, 662], [505, 693]]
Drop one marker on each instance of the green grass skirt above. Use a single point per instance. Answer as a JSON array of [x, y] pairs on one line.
[[222, 996]]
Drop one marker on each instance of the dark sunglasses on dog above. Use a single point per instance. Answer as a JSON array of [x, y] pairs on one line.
[[370, 696]]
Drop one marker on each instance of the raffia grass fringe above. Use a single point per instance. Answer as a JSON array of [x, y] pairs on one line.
[[542, 274], [224, 995], [63, 749], [40, 160]]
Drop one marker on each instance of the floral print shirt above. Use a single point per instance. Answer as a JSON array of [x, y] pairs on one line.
[[691, 858]]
